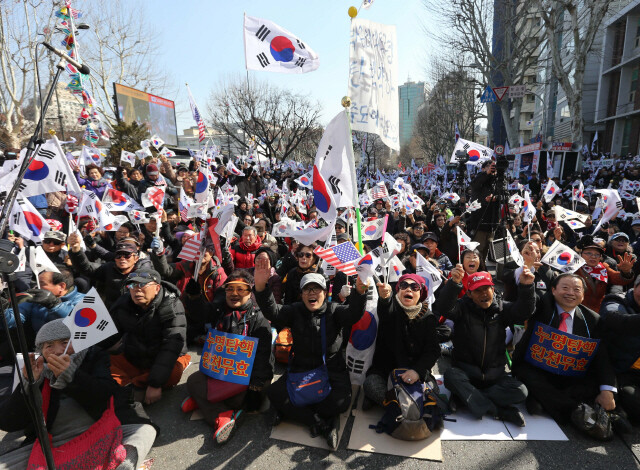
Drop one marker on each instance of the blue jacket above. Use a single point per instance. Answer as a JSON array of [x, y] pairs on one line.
[[621, 318], [39, 315]]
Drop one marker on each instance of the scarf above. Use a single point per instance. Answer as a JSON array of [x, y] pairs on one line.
[[411, 312], [67, 376], [232, 317], [599, 272]]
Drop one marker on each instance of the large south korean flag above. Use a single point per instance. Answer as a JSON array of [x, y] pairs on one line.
[[272, 48]]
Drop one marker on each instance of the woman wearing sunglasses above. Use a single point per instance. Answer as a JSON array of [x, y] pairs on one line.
[[407, 338], [318, 351], [307, 262]]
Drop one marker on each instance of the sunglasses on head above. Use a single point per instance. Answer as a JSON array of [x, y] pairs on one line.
[[55, 242], [125, 255], [409, 285], [304, 255]]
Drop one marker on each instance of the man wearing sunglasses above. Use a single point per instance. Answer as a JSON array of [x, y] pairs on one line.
[[151, 340], [108, 277], [53, 244]]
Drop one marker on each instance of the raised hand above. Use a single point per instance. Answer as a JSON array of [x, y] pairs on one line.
[[384, 290], [526, 277], [457, 274], [261, 274], [625, 263]]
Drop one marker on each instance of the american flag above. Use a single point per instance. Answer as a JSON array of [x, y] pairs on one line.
[[191, 249], [196, 116], [341, 256], [71, 204], [380, 191]]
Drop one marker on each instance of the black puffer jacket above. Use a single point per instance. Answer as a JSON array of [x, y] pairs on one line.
[[479, 334], [106, 277], [620, 316], [155, 338], [92, 387], [305, 328], [411, 344]]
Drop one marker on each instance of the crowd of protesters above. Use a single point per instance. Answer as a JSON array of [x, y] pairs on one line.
[[255, 283]]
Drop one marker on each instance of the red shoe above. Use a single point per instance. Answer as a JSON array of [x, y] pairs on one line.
[[188, 405], [226, 425]]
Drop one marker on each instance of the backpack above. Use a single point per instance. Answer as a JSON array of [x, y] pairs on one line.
[[411, 411], [284, 342]]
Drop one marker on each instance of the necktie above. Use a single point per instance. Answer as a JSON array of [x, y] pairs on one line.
[[564, 316]]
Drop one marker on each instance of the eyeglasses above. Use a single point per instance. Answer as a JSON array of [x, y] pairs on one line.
[[312, 289], [125, 255], [419, 228], [591, 254], [406, 285], [138, 285], [304, 255], [55, 242], [236, 290], [248, 220]]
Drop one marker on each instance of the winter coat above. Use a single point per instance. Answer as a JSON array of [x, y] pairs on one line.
[[291, 284], [106, 277], [405, 343], [596, 289], [38, 315], [479, 334], [152, 339], [305, 329], [620, 317], [243, 256], [98, 187], [92, 388]]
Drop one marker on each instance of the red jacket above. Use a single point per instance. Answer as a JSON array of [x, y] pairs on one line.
[[209, 281], [243, 256]]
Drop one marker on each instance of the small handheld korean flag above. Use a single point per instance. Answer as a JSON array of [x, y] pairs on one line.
[[465, 240], [272, 48], [89, 322], [127, 157], [157, 142], [563, 258], [551, 190], [430, 274]]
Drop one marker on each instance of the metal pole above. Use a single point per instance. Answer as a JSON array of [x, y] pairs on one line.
[[60, 120]]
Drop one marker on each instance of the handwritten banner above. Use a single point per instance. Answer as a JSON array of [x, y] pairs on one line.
[[560, 353], [373, 80], [228, 357]]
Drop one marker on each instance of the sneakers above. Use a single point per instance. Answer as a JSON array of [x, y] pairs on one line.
[[332, 434], [511, 414], [227, 423], [188, 405]]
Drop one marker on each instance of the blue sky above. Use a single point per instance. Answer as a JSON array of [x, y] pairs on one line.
[[202, 42]]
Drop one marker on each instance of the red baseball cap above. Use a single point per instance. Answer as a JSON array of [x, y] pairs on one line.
[[479, 279]]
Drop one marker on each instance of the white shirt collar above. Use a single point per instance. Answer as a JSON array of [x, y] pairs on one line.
[[570, 312]]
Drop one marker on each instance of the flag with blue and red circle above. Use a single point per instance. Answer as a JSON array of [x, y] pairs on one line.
[[322, 197], [89, 322], [27, 221]]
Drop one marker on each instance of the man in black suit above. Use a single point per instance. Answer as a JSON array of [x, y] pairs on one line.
[[569, 397]]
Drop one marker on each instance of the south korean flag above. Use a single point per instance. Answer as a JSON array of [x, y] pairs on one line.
[[272, 48], [89, 322]]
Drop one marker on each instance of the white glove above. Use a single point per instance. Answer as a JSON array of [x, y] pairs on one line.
[[345, 291]]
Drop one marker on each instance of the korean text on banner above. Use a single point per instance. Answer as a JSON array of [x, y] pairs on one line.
[[560, 352], [373, 80], [228, 357]]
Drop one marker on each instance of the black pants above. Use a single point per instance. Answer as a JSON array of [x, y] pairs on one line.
[[484, 400], [629, 393], [197, 386], [558, 395], [334, 404]]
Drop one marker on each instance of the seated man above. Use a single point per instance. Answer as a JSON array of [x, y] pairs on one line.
[[620, 316], [152, 332], [79, 389], [477, 376], [56, 299], [567, 397]]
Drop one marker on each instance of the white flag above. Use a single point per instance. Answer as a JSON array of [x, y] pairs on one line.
[[513, 250], [27, 221], [91, 156], [465, 240], [89, 322], [40, 262], [115, 200], [528, 209], [234, 170], [396, 269], [563, 214], [551, 191], [307, 236], [156, 141], [306, 180], [127, 157], [335, 164], [612, 205], [271, 48], [139, 217], [374, 229], [563, 258], [578, 193], [430, 274], [477, 153]]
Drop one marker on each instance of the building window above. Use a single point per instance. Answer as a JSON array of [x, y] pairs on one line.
[[638, 34], [634, 85]]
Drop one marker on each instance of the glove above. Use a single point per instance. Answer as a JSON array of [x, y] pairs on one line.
[[192, 288], [89, 241], [252, 400], [345, 291], [157, 246], [43, 297]]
